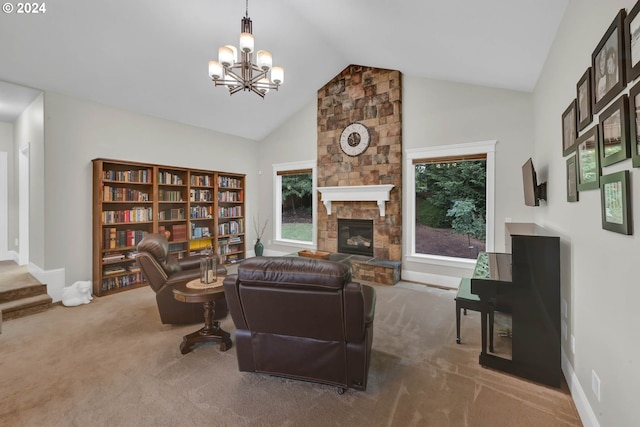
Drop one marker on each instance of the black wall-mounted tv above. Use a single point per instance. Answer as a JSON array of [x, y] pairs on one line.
[[533, 192]]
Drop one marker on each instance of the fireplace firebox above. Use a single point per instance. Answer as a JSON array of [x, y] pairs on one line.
[[355, 236]]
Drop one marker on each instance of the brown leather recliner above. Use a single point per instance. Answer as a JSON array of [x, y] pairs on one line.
[[163, 272], [302, 318]]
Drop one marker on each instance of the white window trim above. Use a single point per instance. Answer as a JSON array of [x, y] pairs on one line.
[[481, 147], [277, 203]]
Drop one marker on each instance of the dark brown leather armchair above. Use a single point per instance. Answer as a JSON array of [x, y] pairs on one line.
[[163, 272], [302, 318]]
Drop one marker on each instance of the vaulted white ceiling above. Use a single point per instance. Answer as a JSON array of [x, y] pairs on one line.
[[152, 56]]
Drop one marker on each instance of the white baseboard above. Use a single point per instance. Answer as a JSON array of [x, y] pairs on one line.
[[431, 279], [54, 279], [587, 416]]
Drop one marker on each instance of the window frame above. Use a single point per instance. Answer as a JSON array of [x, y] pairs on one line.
[[278, 170], [466, 149]]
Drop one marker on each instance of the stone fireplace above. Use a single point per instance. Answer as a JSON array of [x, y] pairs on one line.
[[355, 236], [371, 97]]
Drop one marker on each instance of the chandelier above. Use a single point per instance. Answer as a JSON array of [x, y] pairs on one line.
[[244, 74]]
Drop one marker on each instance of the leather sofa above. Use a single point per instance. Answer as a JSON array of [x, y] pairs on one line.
[[302, 318], [163, 271]]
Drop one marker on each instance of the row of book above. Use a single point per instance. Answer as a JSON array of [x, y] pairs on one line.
[[110, 283], [200, 232], [196, 195], [231, 227], [128, 215], [229, 182], [118, 256], [165, 177], [230, 196], [177, 232], [170, 195], [201, 180], [120, 194], [231, 259], [114, 238], [228, 249], [169, 214], [228, 212], [197, 212], [139, 175]]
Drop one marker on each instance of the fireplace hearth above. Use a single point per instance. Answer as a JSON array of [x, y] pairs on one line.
[[355, 236]]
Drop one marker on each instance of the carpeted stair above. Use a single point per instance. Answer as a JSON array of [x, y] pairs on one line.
[[24, 300]]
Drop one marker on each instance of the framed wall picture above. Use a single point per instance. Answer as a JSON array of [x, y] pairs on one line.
[[634, 125], [614, 132], [608, 64], [584, 99], [632, 42], [616, 203], [572, 179], [569, 128], [588, 159]]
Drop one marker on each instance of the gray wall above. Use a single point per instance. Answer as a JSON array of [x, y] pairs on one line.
[[599, 266], [78, 131]]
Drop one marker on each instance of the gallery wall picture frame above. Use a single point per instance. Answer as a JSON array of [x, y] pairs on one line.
[[584, 99], [572, 179], [632, 42], [588, 159], [634, 124], [569, 128], [615, 197], [608, 64], [614, 132]]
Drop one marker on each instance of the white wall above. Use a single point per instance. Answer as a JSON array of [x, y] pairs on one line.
[[77, 131], [28, 130], [6, 187], [600, 283]]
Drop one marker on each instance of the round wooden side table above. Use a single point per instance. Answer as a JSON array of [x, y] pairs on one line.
[[195, 291]]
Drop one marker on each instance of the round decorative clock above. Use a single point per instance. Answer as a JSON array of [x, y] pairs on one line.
[[354, 139]]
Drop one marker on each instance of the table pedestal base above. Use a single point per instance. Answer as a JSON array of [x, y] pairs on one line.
[[210, 332]]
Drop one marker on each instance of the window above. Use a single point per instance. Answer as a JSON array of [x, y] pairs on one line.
[[295, 203], [450, 201]]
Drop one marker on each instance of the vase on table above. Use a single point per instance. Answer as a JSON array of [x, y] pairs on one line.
[[258, 248]]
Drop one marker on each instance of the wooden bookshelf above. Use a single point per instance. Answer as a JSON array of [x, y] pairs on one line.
[[190, 206]]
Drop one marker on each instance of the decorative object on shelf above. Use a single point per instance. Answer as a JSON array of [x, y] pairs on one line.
[[614, 132], [588, 160], [208, 267], [355, 139], [608, 64], [244, 74], [569, 128], [616, 202]]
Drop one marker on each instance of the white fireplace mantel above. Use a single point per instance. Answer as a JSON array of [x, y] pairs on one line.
[[356, 193]]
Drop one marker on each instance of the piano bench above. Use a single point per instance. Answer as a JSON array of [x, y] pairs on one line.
[[465, 300]]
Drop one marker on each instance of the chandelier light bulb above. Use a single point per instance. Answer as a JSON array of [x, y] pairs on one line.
[[264, 60], [277, 75], [234, 51], [225, 56], [246, 42], [215, 70]]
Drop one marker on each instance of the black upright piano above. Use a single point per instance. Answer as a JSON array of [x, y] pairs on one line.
[[528, 276]]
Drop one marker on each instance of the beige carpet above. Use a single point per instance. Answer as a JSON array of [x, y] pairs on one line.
[[112, 363]]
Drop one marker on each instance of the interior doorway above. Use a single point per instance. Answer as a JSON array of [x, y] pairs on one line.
[[23, 205]]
